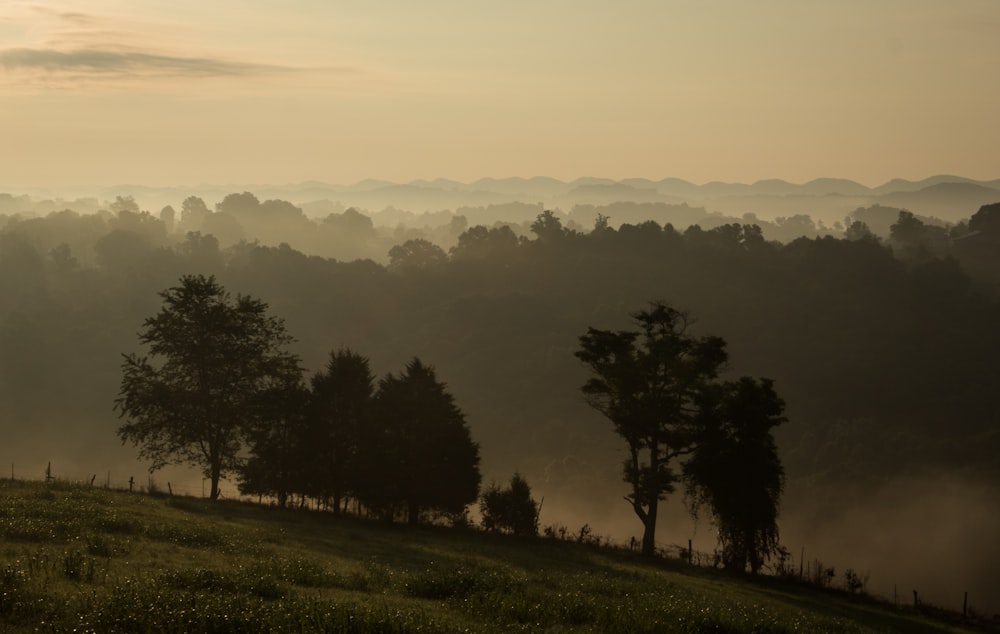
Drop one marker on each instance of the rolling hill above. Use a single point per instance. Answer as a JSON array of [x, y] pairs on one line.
[[85, 559]]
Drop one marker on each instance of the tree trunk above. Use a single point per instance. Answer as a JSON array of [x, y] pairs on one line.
[[649, 518], [413, 513], [215, 474], [649, 528]]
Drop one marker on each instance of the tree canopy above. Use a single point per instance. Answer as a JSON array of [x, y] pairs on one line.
[[648, 383], [659, 387], [340, 409], [420, 452], [511, 509], [736, 473], [215, 363]]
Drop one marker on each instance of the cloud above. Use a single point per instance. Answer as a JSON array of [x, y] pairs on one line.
[[99, 64], [51, 49]]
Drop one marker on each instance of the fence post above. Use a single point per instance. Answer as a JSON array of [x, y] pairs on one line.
[[131, 481]]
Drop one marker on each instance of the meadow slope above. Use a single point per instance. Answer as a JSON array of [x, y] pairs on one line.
[[76, 558]]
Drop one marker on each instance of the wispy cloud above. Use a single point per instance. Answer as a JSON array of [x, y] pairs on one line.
[[126, 64], [69, 50]]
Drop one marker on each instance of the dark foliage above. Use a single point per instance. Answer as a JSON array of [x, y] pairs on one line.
[[888, 367], [511, 509], [651, 384], [340, 409], [277, 443], [217, 364], [735, 471], [419, 454]]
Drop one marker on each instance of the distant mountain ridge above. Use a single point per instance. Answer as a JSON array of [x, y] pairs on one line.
[[946, 196]]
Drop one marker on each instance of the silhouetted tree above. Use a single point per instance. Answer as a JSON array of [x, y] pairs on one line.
[[240, 206], [510, 510], [987, 221], [650, 383], [193, 214], [202, 251], [353, 222], [215, 358], [915, 240], [480, 242], [168, 216], [858, 230], [339, 409], [417, 254], [126, 203], [418, 452], [978, 249], [547, 227], [735, 471], [278, 445]]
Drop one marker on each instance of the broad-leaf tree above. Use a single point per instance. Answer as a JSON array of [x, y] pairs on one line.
[[214, 359], [736, 473], [650, 382], [659, 386], [417, 254]]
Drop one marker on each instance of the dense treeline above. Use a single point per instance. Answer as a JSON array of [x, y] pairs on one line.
[[881, 348], [219, 391]]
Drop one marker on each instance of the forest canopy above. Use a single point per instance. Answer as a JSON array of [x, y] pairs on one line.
[[881, 346]]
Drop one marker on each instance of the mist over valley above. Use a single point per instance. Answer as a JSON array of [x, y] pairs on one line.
[[874, 311]]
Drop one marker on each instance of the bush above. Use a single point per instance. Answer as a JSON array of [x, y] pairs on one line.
[[511, 510]]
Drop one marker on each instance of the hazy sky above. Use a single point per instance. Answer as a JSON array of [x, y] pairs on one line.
[[251, 91]]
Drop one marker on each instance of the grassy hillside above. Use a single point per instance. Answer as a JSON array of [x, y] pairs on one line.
[[87, 559]]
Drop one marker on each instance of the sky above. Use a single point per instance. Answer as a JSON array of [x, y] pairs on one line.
[[179, 92]]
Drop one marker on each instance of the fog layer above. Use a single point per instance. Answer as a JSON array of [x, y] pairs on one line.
[[885, 350]]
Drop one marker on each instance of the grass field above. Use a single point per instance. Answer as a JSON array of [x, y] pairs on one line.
[[82, 559]]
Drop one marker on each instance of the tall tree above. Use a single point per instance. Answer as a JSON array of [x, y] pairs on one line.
[[659, 386], [340, 407], [278, 446], [736, 473], [418, 452], [193, 214], [547, 227], [214, 358], [650, 383]]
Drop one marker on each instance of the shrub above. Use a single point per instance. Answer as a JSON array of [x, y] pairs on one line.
[[511, 510]]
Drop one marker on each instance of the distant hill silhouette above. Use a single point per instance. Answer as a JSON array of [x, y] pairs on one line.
[[949, 197], [950, 201]]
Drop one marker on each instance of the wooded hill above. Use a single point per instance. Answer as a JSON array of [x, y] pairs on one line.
[[885, 351]]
